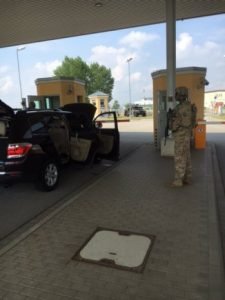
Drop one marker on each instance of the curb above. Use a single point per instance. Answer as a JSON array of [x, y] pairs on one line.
[[216, 241]]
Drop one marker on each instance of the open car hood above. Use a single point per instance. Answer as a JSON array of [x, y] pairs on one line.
[[6, 110], [81, 109]]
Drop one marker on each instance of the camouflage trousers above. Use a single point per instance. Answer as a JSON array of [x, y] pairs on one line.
[[182, 156]]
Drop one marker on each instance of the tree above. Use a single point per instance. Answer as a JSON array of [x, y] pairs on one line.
[[116, 105], [74, 67], [101, 79], [95, 76]]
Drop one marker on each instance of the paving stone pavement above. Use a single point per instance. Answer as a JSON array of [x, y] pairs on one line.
[[186, 259]]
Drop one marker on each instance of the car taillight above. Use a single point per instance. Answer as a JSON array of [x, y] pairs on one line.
[[18, 150]]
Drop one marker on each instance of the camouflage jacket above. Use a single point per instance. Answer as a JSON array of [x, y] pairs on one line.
[[182, 120]]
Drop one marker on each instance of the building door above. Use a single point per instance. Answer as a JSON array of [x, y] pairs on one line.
[[161, 117]]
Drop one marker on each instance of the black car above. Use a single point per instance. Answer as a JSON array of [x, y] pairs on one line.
[[136, 111], [35, 143]]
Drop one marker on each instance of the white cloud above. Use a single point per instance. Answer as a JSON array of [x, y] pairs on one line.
[[113, 58], [184, 43], [6, 84], [107, 55], [6, 81], [40, 69], [189, 51], [4, 69], [135, 76], [47, 68], [137, 39], [208, 54], [118, 73]]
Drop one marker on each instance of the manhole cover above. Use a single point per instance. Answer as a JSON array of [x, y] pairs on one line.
[[118, 249]]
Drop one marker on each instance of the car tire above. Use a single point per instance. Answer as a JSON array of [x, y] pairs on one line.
[[49, 176]]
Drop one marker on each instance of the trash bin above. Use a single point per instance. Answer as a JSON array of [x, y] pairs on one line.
[[200, 134]]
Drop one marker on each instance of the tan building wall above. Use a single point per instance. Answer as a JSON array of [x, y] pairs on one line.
[[214, 99], [68, 89], [100, 100], [191, 77]]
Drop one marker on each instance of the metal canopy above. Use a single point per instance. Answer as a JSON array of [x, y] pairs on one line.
[[27, 21]]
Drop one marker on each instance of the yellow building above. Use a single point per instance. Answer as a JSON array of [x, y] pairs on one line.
[[215, 101], [100, 100], [53, 92], [191, 77]]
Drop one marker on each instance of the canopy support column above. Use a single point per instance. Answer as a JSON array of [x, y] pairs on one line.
[[171, 51]]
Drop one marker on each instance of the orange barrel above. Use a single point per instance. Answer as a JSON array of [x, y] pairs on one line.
[[200, 134]]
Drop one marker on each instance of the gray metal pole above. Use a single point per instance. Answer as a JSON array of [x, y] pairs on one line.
[[171, 51], [128, 61], [18, 65]]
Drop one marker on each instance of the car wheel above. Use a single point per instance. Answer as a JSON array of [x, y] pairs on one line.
[[49, 176]]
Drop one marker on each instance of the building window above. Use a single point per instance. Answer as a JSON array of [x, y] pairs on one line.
[[102, 103], [51, 102], [79, 99]]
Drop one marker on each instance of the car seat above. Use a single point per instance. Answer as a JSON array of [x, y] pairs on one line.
[[2, 128], [59, 133]]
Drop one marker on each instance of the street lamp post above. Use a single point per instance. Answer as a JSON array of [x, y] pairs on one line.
[[18, 65], [128, 61]]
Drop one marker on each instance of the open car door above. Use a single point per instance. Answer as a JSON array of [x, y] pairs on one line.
[[107, 130]]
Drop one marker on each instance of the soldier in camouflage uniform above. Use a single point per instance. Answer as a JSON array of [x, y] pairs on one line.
[[182, 130]]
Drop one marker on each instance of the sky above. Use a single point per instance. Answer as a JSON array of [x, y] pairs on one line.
[[200, 42]]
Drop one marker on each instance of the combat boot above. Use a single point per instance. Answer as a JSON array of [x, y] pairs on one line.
[[177, 183], [187, 181]]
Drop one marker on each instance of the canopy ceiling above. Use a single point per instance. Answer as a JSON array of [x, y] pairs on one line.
[[27, 21]]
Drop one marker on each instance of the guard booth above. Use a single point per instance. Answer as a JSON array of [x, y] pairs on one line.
[[53, 92], [194, 78]]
